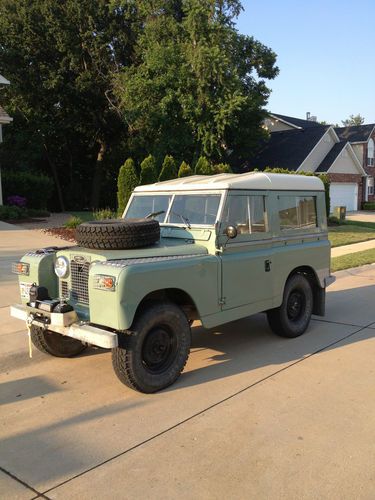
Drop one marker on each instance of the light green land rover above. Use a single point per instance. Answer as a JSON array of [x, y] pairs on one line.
[[215, 248]]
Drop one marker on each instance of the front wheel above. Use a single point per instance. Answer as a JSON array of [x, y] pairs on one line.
[[55, 344], [156, 349], [292, 318]]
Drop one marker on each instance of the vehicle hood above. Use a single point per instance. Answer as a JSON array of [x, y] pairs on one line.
[[164, 248]]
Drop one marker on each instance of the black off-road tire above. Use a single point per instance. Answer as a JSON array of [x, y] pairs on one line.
[[155, 351], [118, 234], [292, 318], [55, 344]]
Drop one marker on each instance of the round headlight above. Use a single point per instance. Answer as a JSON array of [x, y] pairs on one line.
[[61, 267]]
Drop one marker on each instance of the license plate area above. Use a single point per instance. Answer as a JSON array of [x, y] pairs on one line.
[[25, 290]]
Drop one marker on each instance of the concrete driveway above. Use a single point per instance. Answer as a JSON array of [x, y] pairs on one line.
[[252, 416], [361, 215]]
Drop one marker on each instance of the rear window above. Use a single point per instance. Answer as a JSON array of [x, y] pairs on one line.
[[297, 212]]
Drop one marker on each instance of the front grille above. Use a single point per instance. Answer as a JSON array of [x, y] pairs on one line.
[[64, 290], [80, 280]]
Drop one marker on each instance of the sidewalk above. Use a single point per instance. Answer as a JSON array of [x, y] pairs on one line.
[[355, 247]]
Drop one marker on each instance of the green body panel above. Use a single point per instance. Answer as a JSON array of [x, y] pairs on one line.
[[196, 276], [41, 272]]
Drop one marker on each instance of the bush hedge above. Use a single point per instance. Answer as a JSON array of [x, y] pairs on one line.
[[36, 188], [368, 205], [126, 182]]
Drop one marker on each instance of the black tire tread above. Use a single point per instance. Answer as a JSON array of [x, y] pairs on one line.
[[118, 234], [40, 341]]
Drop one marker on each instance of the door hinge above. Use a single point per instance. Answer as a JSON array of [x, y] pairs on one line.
[[222, 301]]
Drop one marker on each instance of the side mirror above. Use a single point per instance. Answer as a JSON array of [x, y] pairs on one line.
[[231, 232]]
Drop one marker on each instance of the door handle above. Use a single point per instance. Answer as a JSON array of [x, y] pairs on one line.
[[267, 266]]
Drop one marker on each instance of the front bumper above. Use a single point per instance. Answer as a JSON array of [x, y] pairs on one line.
[[66, 324]]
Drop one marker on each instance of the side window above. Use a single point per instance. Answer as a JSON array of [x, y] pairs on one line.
[[246, 213], [297, 212]]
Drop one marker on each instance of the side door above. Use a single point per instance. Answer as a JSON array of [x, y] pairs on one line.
[[246, 264]]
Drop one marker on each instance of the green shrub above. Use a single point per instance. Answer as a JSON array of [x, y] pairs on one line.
[[185, 170], [35, 187], [323, 177], [203, 166], [73, 222], [168, 169], [148, 171], [34, 212], [104, 213], [222, 168], [368, 205], [126, 182], [12, 212]]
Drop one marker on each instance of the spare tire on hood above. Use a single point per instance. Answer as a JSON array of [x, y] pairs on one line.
[[118, 234]]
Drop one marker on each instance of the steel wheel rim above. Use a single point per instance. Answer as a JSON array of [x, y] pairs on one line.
[[159, 349], [295, 305]]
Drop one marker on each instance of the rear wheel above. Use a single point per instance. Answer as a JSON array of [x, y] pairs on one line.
[[155, 351], [55, 344], [292, 318]]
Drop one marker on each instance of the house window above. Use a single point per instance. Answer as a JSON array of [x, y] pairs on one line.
[[370, 153], [370, 185]]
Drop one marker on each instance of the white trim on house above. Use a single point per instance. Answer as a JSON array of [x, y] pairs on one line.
[[4, 81], [356, 162], [277, 118], [336, 139]]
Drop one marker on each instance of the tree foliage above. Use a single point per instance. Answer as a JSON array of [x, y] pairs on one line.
[[353, 120], [149, 174], [185, 170], [126, 182], [168, 170], [203, 166], [222, 168]]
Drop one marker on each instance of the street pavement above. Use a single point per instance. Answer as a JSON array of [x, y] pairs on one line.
[[252, 416]]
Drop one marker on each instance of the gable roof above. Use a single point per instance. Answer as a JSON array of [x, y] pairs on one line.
[[4, 81], [296, 122], [355, 133], [287, 149], [331, 157]]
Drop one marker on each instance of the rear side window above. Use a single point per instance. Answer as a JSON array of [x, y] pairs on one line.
[[246, 213], [297, 212]]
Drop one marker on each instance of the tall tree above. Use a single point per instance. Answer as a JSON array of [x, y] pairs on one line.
[[196, 81], [60, 57], [353, 120]]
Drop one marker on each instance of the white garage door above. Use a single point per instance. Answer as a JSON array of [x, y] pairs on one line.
[[344, 195]]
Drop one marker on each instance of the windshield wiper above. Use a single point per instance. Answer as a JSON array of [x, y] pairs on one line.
[[154, 214], [184, 219]]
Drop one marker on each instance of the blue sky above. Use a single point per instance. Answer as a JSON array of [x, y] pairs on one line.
[[325, 54]]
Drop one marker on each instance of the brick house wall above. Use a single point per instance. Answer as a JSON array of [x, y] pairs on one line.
[[369, 170], [357, 178]]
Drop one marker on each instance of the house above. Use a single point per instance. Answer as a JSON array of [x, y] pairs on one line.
[[345, 154], [4, 120]]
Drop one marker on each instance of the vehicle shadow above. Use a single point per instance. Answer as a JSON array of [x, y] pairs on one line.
[[247, 345]]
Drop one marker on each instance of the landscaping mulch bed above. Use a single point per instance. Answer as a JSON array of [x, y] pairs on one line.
[[63, 233]]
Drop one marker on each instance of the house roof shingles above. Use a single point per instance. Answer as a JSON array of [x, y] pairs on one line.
[[331, 157], [356, 133], [298, 122], [287, 149]]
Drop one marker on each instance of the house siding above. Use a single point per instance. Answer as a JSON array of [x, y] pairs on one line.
[[311, 163]]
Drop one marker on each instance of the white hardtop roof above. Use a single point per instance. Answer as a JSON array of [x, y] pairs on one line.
[[249, 180]]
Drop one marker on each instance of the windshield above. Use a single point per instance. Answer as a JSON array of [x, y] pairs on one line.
[[184, 209]]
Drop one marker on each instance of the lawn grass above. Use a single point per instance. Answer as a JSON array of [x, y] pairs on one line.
[[360, 223], [353, 260], [349, 233], [84, 216]]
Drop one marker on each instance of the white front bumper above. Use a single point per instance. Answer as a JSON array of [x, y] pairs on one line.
[[67, 324]]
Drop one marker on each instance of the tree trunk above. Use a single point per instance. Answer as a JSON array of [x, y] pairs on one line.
[[98, 173], [56, 179]]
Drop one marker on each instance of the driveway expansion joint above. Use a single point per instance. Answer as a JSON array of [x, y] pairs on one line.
[[15, 478], [214, 405]]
